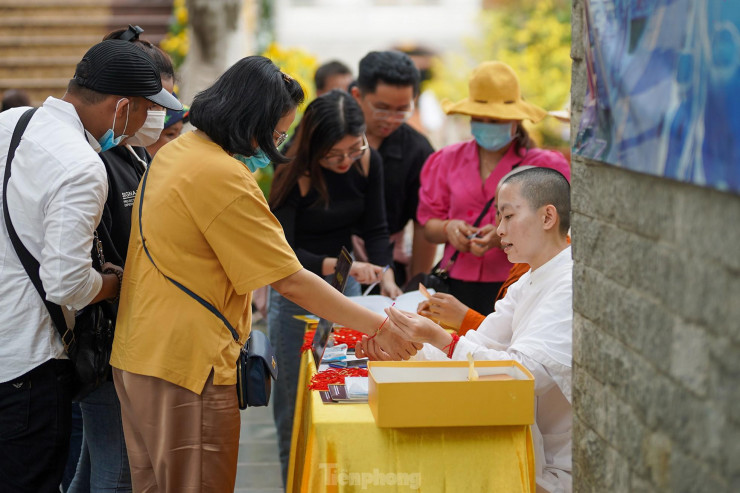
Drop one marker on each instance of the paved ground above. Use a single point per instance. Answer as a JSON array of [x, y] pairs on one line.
[[259, 465]]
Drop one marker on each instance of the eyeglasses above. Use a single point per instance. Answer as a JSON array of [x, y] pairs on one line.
[[281, 136], [400, 116], [336, 159]]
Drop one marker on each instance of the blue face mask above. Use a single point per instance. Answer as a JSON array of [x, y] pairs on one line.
[[108, 141], [259, 160], [491, 136]]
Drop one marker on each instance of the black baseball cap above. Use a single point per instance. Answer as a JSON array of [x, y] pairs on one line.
[[118, 67]]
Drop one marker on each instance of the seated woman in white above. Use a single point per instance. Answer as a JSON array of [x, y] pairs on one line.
[[532, 324]]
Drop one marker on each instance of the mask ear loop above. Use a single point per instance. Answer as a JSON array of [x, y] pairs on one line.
[[128, 110], [125, 126]]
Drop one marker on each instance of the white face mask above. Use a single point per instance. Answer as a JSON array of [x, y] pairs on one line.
[[148, 134]]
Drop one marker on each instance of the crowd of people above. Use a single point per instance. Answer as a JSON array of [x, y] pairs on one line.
[[107, 169]]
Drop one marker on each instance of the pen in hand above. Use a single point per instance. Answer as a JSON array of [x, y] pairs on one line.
[[380, 277]]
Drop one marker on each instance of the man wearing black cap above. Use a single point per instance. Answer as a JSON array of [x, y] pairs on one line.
[[55, 196]]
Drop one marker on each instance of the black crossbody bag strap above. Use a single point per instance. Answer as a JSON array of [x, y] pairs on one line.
[[477, 222], [193, 295], [30, 264]]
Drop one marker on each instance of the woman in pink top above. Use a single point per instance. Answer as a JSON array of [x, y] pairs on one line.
[[458, 180]]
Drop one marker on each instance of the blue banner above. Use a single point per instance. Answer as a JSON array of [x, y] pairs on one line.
[[663, 91]]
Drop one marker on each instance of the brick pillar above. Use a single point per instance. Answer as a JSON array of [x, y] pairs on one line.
[[656, 336]]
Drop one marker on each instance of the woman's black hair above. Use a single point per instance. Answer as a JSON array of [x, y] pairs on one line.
[[522, 140], [162, 61], [327, 120], [243, 107]]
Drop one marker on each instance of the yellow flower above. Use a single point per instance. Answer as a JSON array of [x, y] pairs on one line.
[[184, 47], [181, 15], [297, 63]]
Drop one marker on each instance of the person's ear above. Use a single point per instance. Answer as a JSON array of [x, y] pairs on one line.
[[124, 108], [356, 94], [550, 217]]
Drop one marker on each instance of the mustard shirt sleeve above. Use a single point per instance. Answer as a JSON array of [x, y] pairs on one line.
[[250, 244]]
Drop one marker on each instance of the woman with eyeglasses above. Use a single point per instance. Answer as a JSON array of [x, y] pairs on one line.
[[200, 220], [332, 188]]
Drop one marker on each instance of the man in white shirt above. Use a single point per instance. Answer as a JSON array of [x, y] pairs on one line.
[[55, 196], [532, 324]]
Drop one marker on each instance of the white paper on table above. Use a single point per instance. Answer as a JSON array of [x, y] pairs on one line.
[[406, 302], [356, 387]]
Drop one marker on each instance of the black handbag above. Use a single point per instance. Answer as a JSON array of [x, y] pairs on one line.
[[88, 344], [94, 339], [439, 278], [254, 371], [256, 366], [92, 349]]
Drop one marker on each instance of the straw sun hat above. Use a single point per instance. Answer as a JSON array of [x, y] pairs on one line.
[[494, 93]]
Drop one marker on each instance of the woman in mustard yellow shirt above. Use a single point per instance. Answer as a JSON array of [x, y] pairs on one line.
[[207, 226]]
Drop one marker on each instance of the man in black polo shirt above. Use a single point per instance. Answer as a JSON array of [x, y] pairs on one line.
[[386, 87]]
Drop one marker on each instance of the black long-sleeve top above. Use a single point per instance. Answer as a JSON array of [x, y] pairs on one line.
[[356, 206], [124, 173]]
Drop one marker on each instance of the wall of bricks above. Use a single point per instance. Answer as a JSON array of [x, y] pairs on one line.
[[656, 336]]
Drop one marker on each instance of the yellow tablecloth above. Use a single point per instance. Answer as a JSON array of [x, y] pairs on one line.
[[338, 448]]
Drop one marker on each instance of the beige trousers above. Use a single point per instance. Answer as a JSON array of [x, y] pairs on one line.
[[179, 441]]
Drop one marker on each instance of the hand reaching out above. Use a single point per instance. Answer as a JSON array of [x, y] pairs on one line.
[[487, 240], [445, 309], [365, 273], [387, 345], [414, 327], [388, 286], [457, 234], [390, 290]]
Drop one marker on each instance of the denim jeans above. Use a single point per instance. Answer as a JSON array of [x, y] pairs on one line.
[[103, 464], [75, 447], [286, 337], [35, 421]]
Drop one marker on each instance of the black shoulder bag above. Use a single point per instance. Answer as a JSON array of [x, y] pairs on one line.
[[439, 278], [256, 364], [88, 344]]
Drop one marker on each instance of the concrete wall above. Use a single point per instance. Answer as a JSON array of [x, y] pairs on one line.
[[656, 336], [347, 29]]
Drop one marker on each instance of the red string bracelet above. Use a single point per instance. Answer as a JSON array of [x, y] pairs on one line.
[[377, 331], [452, 345], [381, 325]]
